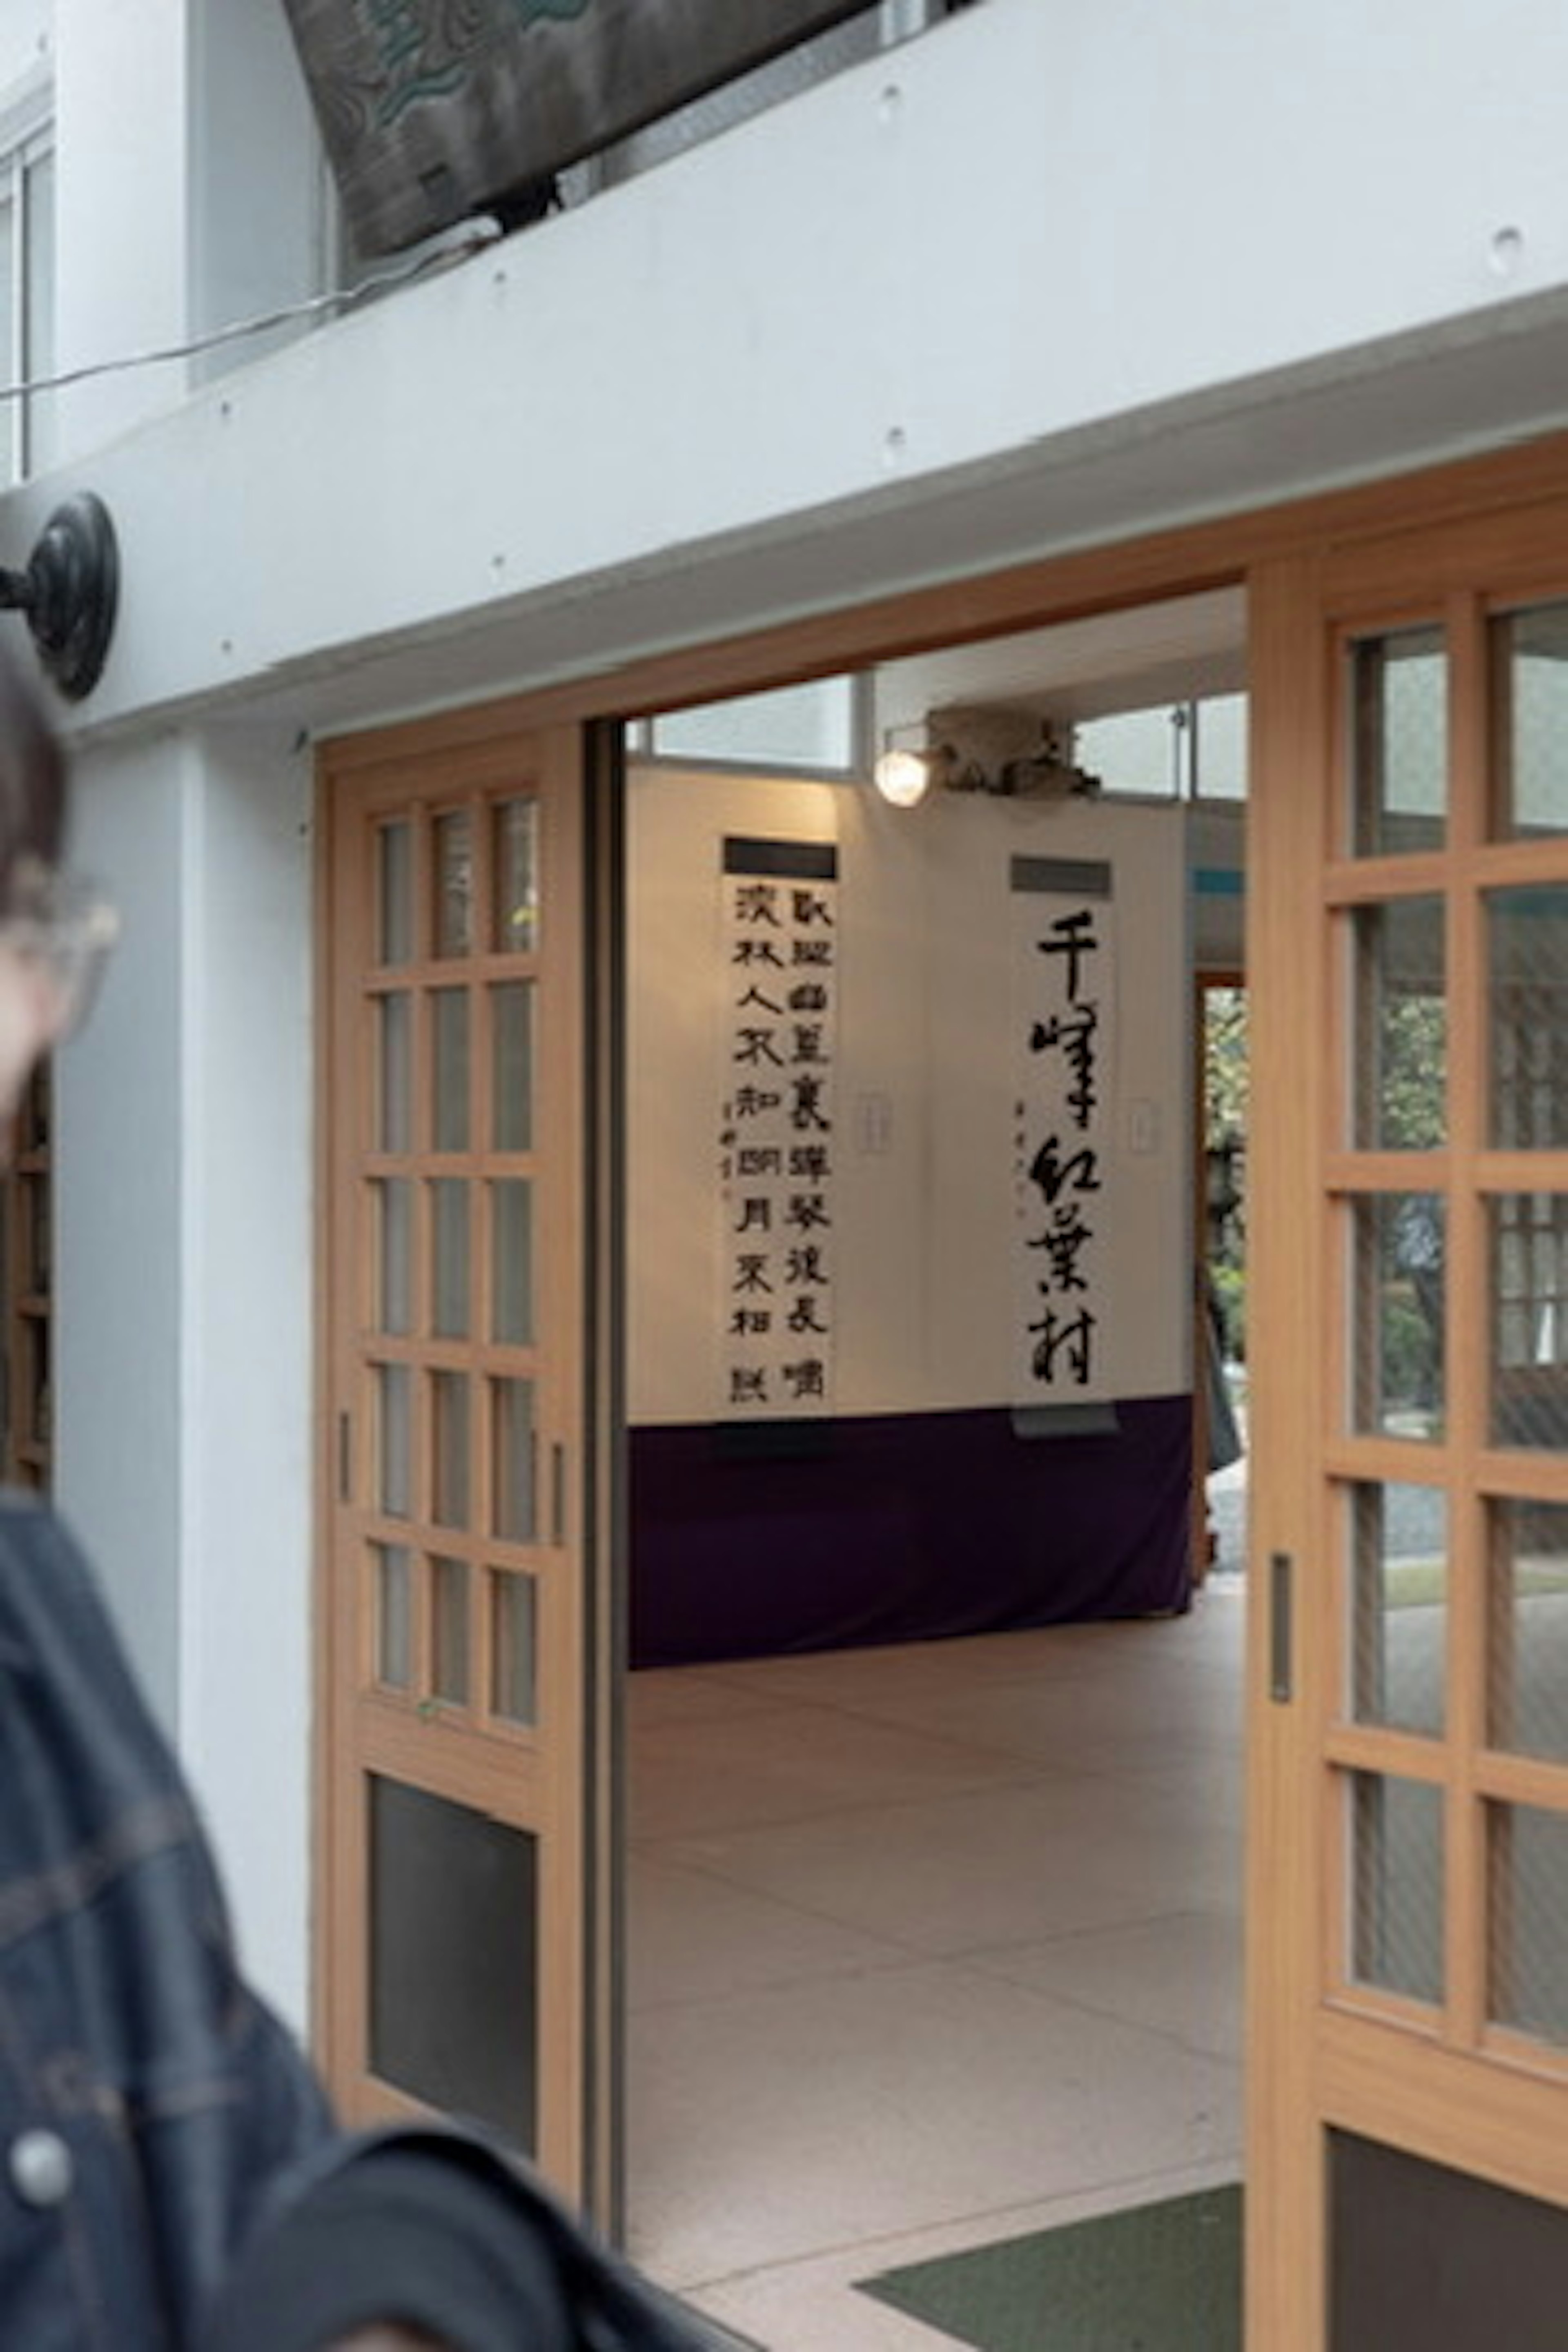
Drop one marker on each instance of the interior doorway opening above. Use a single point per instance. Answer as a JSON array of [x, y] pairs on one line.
[[914, 1897]]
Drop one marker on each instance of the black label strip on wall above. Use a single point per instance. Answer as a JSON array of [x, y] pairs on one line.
[[1064, 877], [789, 861]]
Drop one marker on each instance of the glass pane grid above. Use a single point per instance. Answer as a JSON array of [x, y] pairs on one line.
[[1399, 687], [1396, 1886], [1527, 1852], [1399, 1607], [1530, 686], [1527, 945], [1398, 1254], [1528, 1291], [1527, 1666], [1400, 1074]]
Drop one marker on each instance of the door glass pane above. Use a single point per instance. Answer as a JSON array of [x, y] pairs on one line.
[[449, 1631], [394, 1615], [1399, 741], [511, 1018], [394, 1074], [516, 846], [449, 1053], [393, 1440], [449, 1258], [1530, 1319], [394, 1255], [1396, 1884], [454, 1968], [395, 892], [453, 880], [9, 414], [1528, 1667], [514, 1455], [1528, 1921], [1527, 936], [1530, 683], [1399, 1606], [1401, 1026], [1397, 1312], [511, 1304], [450, 1432], [515, 1646]]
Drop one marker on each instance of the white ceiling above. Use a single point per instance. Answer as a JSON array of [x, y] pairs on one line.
[[1174, 651]]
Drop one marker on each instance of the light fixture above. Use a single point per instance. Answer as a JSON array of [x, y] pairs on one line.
[[70, 592], [982, 747], [902, 776]]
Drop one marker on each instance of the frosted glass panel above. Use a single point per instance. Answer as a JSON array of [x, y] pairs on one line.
[[1528, 1677], [449, 1431], [1530, 676], [515, 1646], [1396, 1886], [394, 1614], [514, 1452], [1527, 935], [394, 1074], [1399, 1252], [449, 1049], [449, 1631], [394, 896], [1400, 741], [1530, 1319], [1529, 1921], [516, 847], [511, 1033], [450, 1258], [1399, 1606], [511, 1258], [394, 1439], [454, 882], [1401, 1026], [395, 1221]]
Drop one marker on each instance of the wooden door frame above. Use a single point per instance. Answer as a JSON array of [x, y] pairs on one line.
[[1205, 976], [1275, 553]]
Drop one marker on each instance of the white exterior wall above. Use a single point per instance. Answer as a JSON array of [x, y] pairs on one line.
[[1046, 276]]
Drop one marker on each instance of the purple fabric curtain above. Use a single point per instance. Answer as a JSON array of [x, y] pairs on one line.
[[901, 1526]]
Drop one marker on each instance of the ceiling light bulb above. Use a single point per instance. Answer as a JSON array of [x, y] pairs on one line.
[[902, 778]]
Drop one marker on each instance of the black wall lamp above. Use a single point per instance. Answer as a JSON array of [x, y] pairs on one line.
[[69, 593]]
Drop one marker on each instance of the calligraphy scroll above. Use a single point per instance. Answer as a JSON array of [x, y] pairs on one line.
[[1064, 964], [775, 1134]]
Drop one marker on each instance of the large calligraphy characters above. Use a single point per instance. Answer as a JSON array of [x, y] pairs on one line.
[[1059, 1141], [776, 1139]]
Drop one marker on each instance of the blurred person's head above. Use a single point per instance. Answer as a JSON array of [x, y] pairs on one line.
[[54, 934]]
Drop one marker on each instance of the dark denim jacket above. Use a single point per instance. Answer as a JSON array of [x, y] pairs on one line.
[[146, 2097], [153, 2113]]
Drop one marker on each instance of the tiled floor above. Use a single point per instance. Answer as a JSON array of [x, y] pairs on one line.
[[929, 1947]]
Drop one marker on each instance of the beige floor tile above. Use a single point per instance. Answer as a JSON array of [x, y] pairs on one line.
[[774, 2124], [691, 1937], [1014, 1864], [792, 1764], [816, 2305], [1179, 1975], [925, 1942]]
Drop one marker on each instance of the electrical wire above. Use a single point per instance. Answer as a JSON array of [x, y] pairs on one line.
[[477, 237]]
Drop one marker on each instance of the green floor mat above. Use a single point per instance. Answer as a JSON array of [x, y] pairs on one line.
[[1153, 2278]]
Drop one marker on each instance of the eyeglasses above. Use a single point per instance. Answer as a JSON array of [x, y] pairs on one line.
[[60, 926]]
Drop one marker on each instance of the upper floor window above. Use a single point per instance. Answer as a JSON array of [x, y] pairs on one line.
[[27, 299]]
